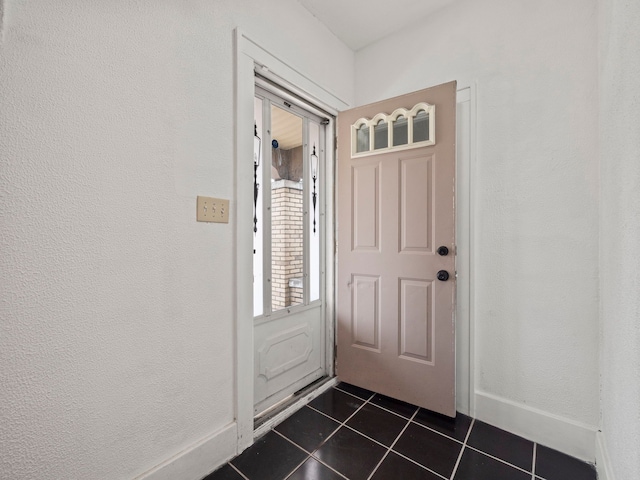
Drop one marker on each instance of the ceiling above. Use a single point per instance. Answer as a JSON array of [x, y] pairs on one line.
[[286, 128], [360, 23]]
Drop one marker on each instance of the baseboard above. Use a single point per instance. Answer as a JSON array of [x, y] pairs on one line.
[[562, 434], [200, 459], [603, 464]]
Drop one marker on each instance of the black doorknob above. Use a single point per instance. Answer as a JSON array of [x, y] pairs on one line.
[[443, 251], [443, 275]]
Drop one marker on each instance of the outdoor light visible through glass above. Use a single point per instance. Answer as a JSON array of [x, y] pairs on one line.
[[314, 177], [257, 145]]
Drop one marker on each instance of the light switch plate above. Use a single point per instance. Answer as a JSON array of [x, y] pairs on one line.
[[210, 209]]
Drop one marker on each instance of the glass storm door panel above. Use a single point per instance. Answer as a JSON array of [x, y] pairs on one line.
[[395, 282], [287, 210], [289, 201]]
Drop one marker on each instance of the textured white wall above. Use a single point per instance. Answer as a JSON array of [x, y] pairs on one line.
[[620, 233], [116, 307], [536, 205]]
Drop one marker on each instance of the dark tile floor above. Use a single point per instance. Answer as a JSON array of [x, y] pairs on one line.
[[351, 433]]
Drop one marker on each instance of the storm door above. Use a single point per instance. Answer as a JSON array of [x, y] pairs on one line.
[[288, 227]]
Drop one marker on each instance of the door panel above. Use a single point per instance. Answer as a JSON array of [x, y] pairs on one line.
[[416, 189], [395, 208], [366, 202], [288, 356], [365, 319], [289, 327], [416, 320]]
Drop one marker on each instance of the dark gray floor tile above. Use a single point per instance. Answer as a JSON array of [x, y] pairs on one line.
[[504, 445], [396, 467], [351, 454], [453, 427], [434, 451], [224, 473], [314, 470], [377, 424], [554, 465], [477, 466], [269, 458], [307, 428], [401, 408], [353, 390], [337, 404]]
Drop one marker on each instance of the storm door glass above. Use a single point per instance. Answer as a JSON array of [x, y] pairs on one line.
[[287, 209]]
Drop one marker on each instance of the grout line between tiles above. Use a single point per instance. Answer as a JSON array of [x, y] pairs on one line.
[[420, 465], [309, 455], [390, 449], [329, 467], [391, 446], [498, 459], [379, 463], [343, 424], [239, 472], [366, 436], [395, 413], [292, 442], [299, 465], [443, 434], [464, 444], [337, 387]]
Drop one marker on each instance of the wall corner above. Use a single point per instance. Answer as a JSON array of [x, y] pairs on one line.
[[603, 464]]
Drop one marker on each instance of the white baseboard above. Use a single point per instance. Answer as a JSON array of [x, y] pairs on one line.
[[603, 464], [200, 459], [553, 431]]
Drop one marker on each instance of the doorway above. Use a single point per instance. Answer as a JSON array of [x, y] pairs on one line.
[[289, 307], [251, 58]]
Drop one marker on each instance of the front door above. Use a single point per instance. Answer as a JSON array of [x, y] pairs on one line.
[[289, 308], [396, 248]]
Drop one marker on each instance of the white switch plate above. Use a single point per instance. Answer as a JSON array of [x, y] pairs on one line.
[[210, 209]]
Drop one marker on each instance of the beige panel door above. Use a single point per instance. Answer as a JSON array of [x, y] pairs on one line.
[[395, 318]]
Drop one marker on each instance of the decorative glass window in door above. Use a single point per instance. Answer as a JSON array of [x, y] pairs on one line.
[[400, 130]]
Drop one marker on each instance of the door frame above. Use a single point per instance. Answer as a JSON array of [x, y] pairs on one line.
[[250, 57]]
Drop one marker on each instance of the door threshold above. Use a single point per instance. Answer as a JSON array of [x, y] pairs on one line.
[[263, 422]]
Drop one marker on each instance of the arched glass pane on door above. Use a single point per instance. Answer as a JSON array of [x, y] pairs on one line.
[[421, 127], [362, 138], [381, 135], [400, 131]]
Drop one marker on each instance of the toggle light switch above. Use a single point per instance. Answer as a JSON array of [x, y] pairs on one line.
[[210, 209]]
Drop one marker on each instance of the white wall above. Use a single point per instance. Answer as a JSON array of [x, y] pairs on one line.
[[620, 234], [536, 184], [117, 308]]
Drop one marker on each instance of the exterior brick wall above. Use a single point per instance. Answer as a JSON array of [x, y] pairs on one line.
[[287, 244]]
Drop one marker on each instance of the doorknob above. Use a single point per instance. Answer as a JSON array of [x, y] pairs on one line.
[[443, 275], [443, 251]]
